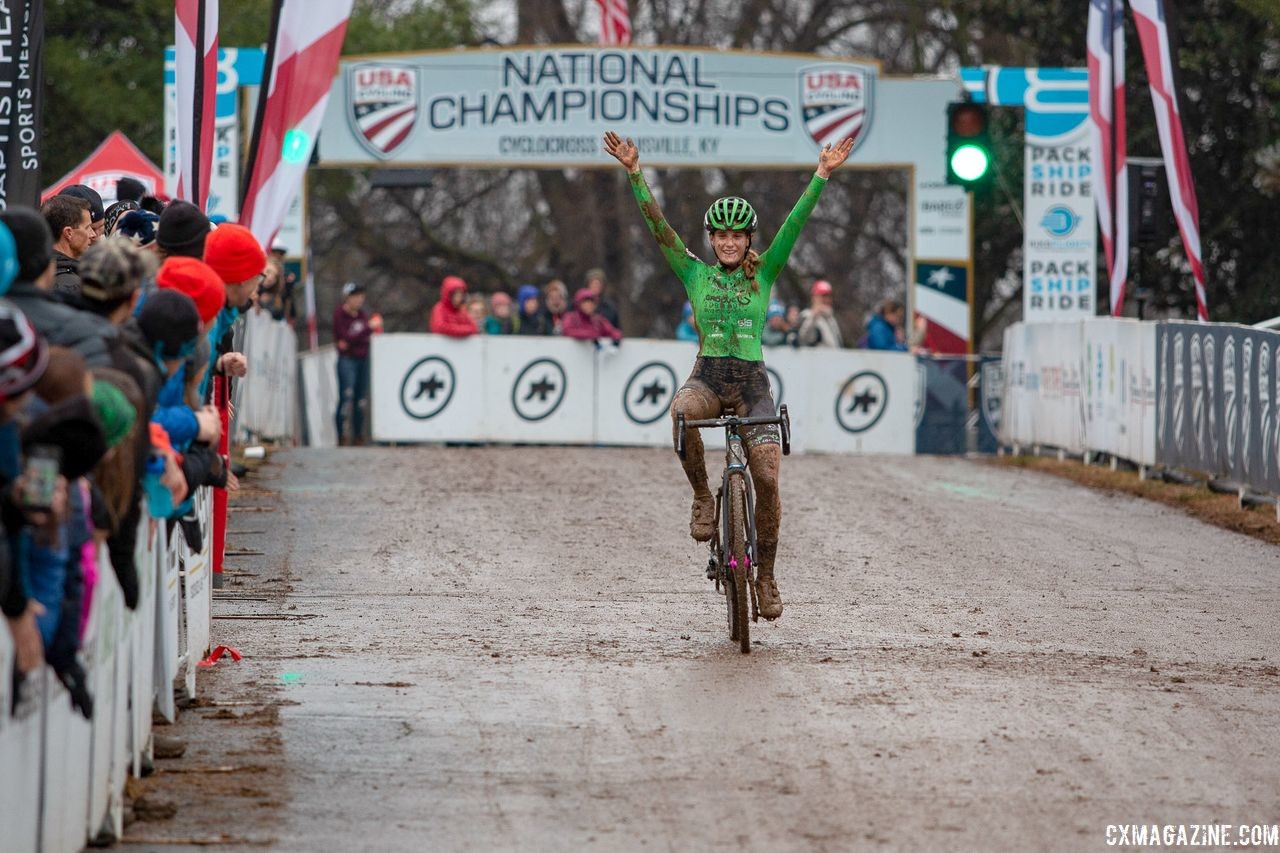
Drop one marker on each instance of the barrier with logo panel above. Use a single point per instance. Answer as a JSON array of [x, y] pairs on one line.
[[317, 371], [634, 389], [539, 394], [427, 388], [859, 401]]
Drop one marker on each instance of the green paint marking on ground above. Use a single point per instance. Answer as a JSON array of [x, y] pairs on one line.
[[291, 677], [967, 491]]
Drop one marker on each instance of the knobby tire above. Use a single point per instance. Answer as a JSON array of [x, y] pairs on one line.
[[741, 583]]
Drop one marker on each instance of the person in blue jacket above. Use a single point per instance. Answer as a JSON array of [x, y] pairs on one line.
[[685, 331], [882, 328]]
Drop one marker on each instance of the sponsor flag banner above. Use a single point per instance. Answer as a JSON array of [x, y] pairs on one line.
[[22, 81], [1059, 239], [615, 22], [1153, 32], [1105, 39], [237, 66], [306, 40], [196, 82]]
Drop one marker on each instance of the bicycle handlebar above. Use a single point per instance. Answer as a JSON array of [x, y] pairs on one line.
[[734, 420]]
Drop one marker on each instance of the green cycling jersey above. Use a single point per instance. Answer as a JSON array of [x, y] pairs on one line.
[[729, 309]]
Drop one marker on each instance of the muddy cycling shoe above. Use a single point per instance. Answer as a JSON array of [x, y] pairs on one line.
[[703, 521], [768, 598]]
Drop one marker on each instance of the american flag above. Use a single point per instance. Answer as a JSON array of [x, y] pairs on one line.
[[196, 86], [615, 22], [1107, 138], [1153, 31]]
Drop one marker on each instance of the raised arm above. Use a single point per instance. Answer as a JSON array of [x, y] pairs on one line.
[[773, 259], [669, 242]]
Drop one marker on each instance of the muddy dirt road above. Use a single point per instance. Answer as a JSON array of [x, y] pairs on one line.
[[516, 649]]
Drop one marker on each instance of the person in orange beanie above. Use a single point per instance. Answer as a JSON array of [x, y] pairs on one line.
[[238, 259], [198, 281]]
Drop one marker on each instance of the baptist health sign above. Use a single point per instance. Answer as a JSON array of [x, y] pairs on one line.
[[549, 107], [1060, 237]]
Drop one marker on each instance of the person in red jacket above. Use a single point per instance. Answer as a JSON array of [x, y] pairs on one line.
[[585, 323], [449, 316]]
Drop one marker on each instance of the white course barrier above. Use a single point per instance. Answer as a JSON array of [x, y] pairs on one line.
[[318, 373], [556, 391], [266, 399], [63, 776]]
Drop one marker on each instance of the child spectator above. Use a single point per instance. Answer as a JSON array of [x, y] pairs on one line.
[[555, 297], [449, 316], [499, 321], [477, 310], [585, 323], [685, 331], [776, 331], [531, 319]]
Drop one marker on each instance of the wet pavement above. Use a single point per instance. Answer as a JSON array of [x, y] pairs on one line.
[[515, 648]]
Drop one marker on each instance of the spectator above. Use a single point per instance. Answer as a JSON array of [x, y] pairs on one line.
[[24, 357], [182, 231], [555, 299], [197, 280], [111, 218], [271, 291], [818, 327], [351, 332], [449, 316], [236, 256], [32, 292], [686, 331], [596, 283], [288, 279], [130, 189], [884, 327], [68, 221], [477, 310], [586, 323], [140, 226], [499, 322], [96, 214], [776, 332], [531, 319]]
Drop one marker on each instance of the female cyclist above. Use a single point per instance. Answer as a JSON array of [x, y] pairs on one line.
[[730, 301]]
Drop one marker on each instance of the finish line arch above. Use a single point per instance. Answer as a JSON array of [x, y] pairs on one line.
[[546, 108]]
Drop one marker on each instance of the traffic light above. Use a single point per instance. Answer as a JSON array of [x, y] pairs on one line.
[[969, 152]]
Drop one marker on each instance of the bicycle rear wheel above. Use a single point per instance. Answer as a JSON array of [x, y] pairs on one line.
[[739, 566]]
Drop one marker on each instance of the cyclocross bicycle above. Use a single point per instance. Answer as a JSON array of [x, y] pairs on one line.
[[732, 564]]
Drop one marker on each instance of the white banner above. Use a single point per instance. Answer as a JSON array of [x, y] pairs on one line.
[[266, 399], [1082, 386], [1120, 388], [431, 388], [684, 107], [318, 374]]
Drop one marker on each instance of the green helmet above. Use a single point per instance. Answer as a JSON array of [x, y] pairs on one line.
[[730, 214]]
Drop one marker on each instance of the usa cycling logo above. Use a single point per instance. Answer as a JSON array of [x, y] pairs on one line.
[[1059, 221], [383, 102], [836, 101]]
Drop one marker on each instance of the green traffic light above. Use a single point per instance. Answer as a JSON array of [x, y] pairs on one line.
[[970, 162], [297, 146]]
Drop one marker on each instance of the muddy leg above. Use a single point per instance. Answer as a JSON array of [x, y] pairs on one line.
[[764, 460], [696, 402]]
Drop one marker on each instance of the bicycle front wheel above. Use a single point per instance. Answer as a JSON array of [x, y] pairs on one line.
[[739, 565]]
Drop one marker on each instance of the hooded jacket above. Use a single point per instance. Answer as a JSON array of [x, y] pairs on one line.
[[587, 327], [448, 320], [62, 325]]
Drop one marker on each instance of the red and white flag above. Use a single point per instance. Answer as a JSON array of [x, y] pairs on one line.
[[196, 85], [1107, 138], [302, 58], [1153, 31], [615, 22]]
